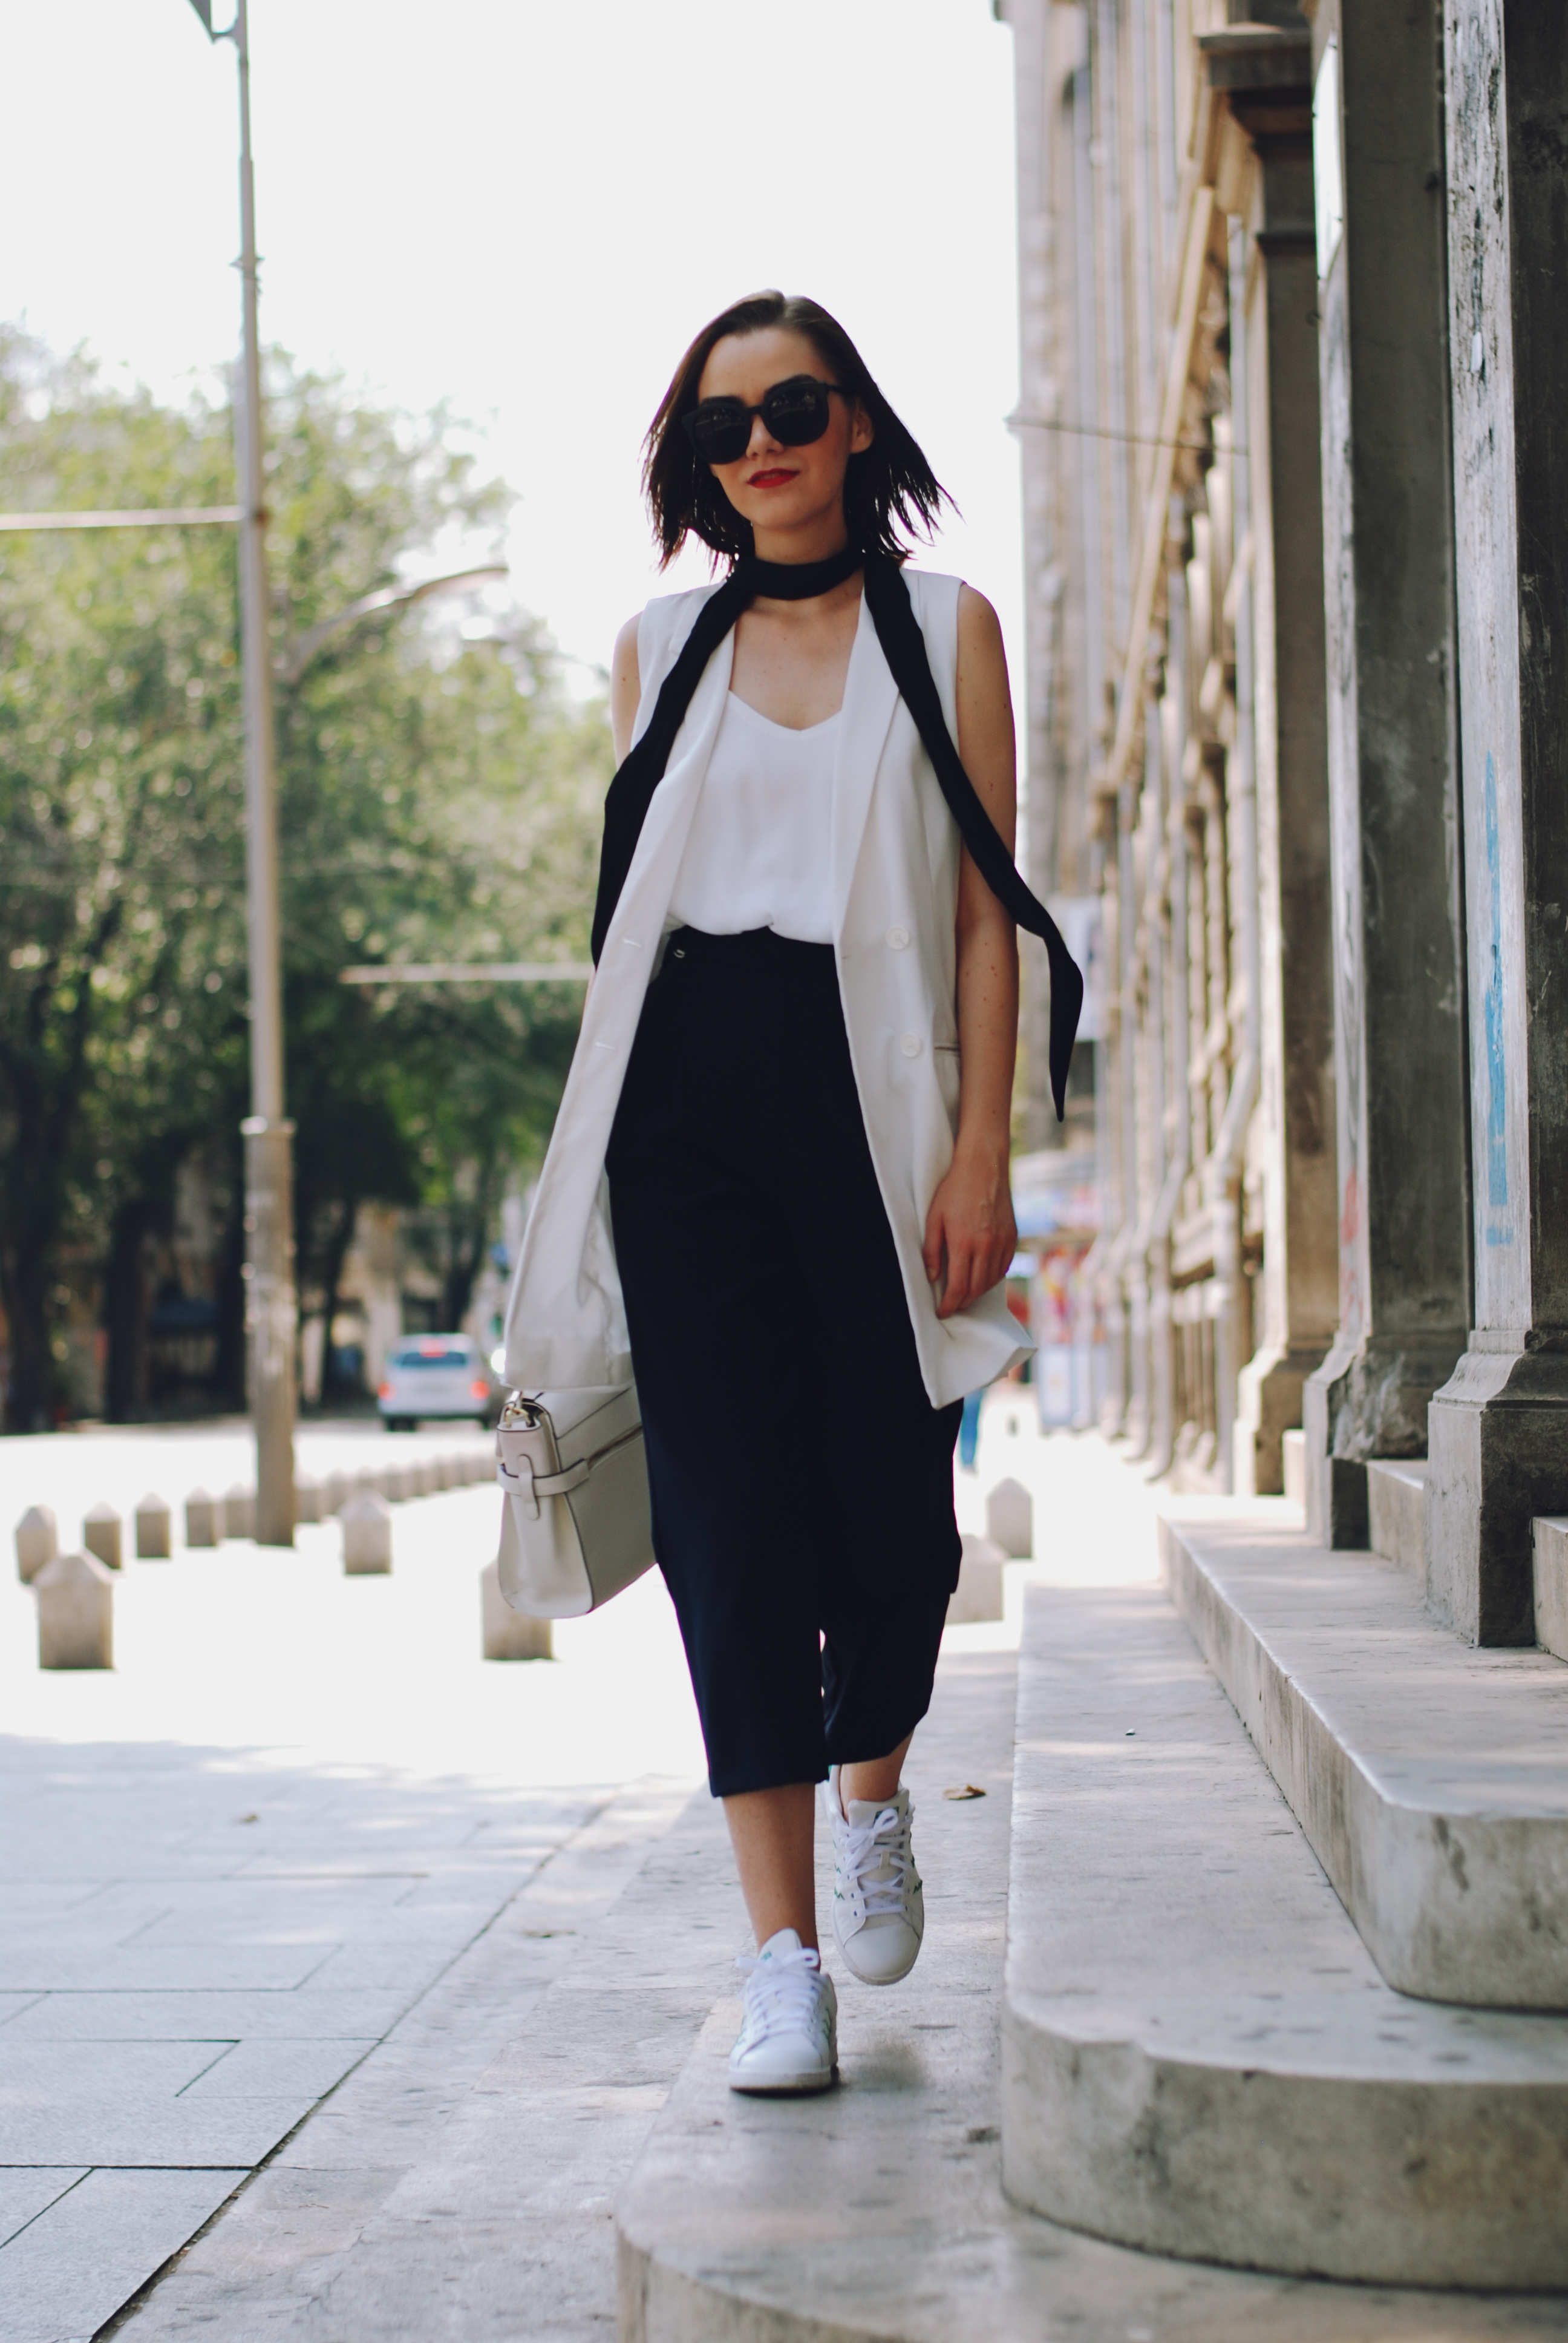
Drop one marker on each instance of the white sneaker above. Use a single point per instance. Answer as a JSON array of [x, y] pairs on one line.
[[788, 2037], [879, 1903]]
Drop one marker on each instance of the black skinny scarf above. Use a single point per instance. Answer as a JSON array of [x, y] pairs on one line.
[[904, 649]]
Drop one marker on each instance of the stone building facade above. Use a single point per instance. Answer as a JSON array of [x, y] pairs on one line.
[[1296, 529]]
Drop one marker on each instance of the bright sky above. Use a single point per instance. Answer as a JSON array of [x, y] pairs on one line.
[[527, 211]]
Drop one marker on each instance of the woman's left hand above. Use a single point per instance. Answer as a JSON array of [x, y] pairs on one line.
[[971, 1232]]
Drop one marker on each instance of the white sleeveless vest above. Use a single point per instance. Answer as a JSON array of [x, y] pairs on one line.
[[895, 864]]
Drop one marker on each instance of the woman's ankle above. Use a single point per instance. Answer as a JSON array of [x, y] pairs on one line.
[[873, 1780]]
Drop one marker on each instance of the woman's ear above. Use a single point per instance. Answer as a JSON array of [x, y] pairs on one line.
[[862, 431]]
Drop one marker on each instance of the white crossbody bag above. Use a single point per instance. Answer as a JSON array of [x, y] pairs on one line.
[[576, 1526]]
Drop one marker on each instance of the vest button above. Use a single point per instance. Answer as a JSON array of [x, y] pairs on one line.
[[897, 939], [911, 1045]]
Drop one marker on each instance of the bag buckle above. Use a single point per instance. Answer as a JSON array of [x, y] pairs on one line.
[[516, 1468]]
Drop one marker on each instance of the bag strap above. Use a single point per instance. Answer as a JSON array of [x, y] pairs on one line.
[[904, 646], [630, 793]]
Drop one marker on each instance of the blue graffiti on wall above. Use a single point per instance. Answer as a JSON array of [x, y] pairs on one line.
[[1496, 1075]]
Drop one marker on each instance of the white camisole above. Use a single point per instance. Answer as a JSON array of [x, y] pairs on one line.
[[758, 852]]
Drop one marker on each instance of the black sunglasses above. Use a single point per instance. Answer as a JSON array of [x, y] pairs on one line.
[[796, 412]]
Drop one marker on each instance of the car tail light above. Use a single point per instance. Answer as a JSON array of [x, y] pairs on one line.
[[479, 1390], [385, 1391]]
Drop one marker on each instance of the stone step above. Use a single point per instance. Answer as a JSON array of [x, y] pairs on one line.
[[877, 2211], [1396, 1511], [1430, 1778], [1293, 1465], [1199, 2058], [1550, 1564]]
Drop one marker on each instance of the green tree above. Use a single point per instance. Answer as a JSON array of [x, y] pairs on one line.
[[437, 797]]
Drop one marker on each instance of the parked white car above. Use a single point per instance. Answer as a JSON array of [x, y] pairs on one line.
[[438, 1376]]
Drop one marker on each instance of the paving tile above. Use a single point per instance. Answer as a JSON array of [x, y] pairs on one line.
[[277, 2069], [27, 2191], [87, 2078], [163, 1968], [328, 1857], [74, 2267], [14, 2006], [239, 1911], [99, 1918], [308, 2014], [154, 2131], [28, 1900], [295, 2223], [390, 1968]]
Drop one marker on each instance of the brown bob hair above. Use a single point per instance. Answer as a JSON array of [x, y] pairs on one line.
[[889, 485]]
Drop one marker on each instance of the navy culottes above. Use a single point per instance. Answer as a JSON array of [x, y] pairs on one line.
[[802, 1480]]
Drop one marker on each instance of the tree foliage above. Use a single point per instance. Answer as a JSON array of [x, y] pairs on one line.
[[438, 800]]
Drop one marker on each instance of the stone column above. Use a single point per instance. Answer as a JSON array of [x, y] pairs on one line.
[[1153, 1245], [1299, 1284], [1403, 1204], [1134, 1043], [1110, 1151], [1177, 1012], [1043, 769], [1499, 1430]]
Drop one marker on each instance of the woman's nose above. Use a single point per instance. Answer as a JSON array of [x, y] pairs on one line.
[[761, 442]]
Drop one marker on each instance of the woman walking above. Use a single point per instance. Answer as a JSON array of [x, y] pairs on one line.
[[796, 1068]]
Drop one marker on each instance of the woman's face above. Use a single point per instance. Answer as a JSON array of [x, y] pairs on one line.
[[772, 486]]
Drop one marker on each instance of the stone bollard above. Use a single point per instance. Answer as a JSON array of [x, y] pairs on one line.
[[103, 1533], [155, 1530], [978, 1592], [334, 1493], [239, 1512], [75, 1613], [417, 1473], [506, 1633], [367, 1536], [204, 1518], [37, 1541], [1010, 1519], [438, 1472], [306, 1497]]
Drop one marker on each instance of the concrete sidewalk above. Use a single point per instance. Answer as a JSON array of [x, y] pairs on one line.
[[230, 1866], [377, 1964], [461, 2183]]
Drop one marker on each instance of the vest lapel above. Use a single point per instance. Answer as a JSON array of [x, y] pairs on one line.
[[871, 700], [650, 880]]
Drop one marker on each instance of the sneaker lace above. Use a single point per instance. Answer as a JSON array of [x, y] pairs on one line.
[[879, 1860], [781, 1992]]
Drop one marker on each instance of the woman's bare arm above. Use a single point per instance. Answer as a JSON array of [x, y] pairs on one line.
[[625, 688], [971, 1233]]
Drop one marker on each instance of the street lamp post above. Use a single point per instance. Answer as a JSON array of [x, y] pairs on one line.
[[270, 1313]]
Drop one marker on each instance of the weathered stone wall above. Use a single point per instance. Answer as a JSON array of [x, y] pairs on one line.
[[1499, 1428]]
